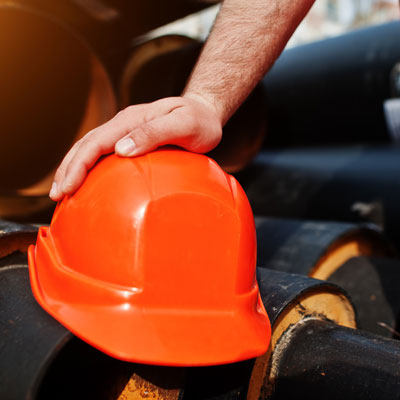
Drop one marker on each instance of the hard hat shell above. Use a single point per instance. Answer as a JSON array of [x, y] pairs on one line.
[[153, 260]]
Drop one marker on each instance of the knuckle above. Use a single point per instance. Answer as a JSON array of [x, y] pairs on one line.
[[91, 145], [124, 113], [121, 113], [124, 120]]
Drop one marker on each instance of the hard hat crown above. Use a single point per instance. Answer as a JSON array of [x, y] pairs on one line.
[[153, 260]]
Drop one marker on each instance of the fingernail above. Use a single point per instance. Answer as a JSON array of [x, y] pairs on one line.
[[53, 190], [125, 146]]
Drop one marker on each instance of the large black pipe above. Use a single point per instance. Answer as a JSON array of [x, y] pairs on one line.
[[54, 89], [281, 291], [111, 26], [307, 247], [353, 184], [373, 284], [326, 361], [332, 91], [30, 338], [348, 255], [40, 359], [312, 357]]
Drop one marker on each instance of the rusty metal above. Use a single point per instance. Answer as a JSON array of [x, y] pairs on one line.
[[154, 383]]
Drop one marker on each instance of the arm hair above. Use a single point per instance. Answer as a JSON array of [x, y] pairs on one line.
[[246, 39]]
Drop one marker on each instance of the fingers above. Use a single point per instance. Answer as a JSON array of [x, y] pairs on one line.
[[138, 130], [83, 155], [190, 129], [85, 152], [83, 160], [56, 192], [151, 135]]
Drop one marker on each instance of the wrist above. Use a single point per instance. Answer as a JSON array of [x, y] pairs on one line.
[[209, 103]]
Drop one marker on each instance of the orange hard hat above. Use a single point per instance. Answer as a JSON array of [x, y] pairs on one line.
[[153, 260]]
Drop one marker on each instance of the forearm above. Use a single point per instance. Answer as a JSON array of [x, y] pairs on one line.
[[245, 41]]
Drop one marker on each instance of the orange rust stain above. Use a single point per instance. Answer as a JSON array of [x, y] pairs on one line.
[[138, 388]]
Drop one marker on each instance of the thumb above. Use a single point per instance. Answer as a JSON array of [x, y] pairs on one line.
[[149, 136]]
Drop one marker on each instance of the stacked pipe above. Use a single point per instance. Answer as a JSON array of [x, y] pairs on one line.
[[315, 186], [333, 91], [310, 320], [358, 258], [355, 184]]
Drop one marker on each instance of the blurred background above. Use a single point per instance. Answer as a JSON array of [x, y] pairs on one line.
[[327, 18]]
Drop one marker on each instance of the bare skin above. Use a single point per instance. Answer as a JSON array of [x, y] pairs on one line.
[[245, 41]]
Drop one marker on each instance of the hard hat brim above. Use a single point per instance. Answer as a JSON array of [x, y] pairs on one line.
[[150, 336]]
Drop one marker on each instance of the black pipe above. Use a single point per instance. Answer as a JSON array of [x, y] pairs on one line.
[[55, 365], [373, 284], [280, 290], [322, 360], [298, 246], [30, 338], [332, 91], [341, 253], [352, 184], [360, 365], [40, 359], [52, 364], [111, 26]]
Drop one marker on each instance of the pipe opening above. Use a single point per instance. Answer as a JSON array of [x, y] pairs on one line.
[[53, 89]]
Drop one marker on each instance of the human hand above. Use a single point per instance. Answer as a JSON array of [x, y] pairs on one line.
[[189, 122]]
